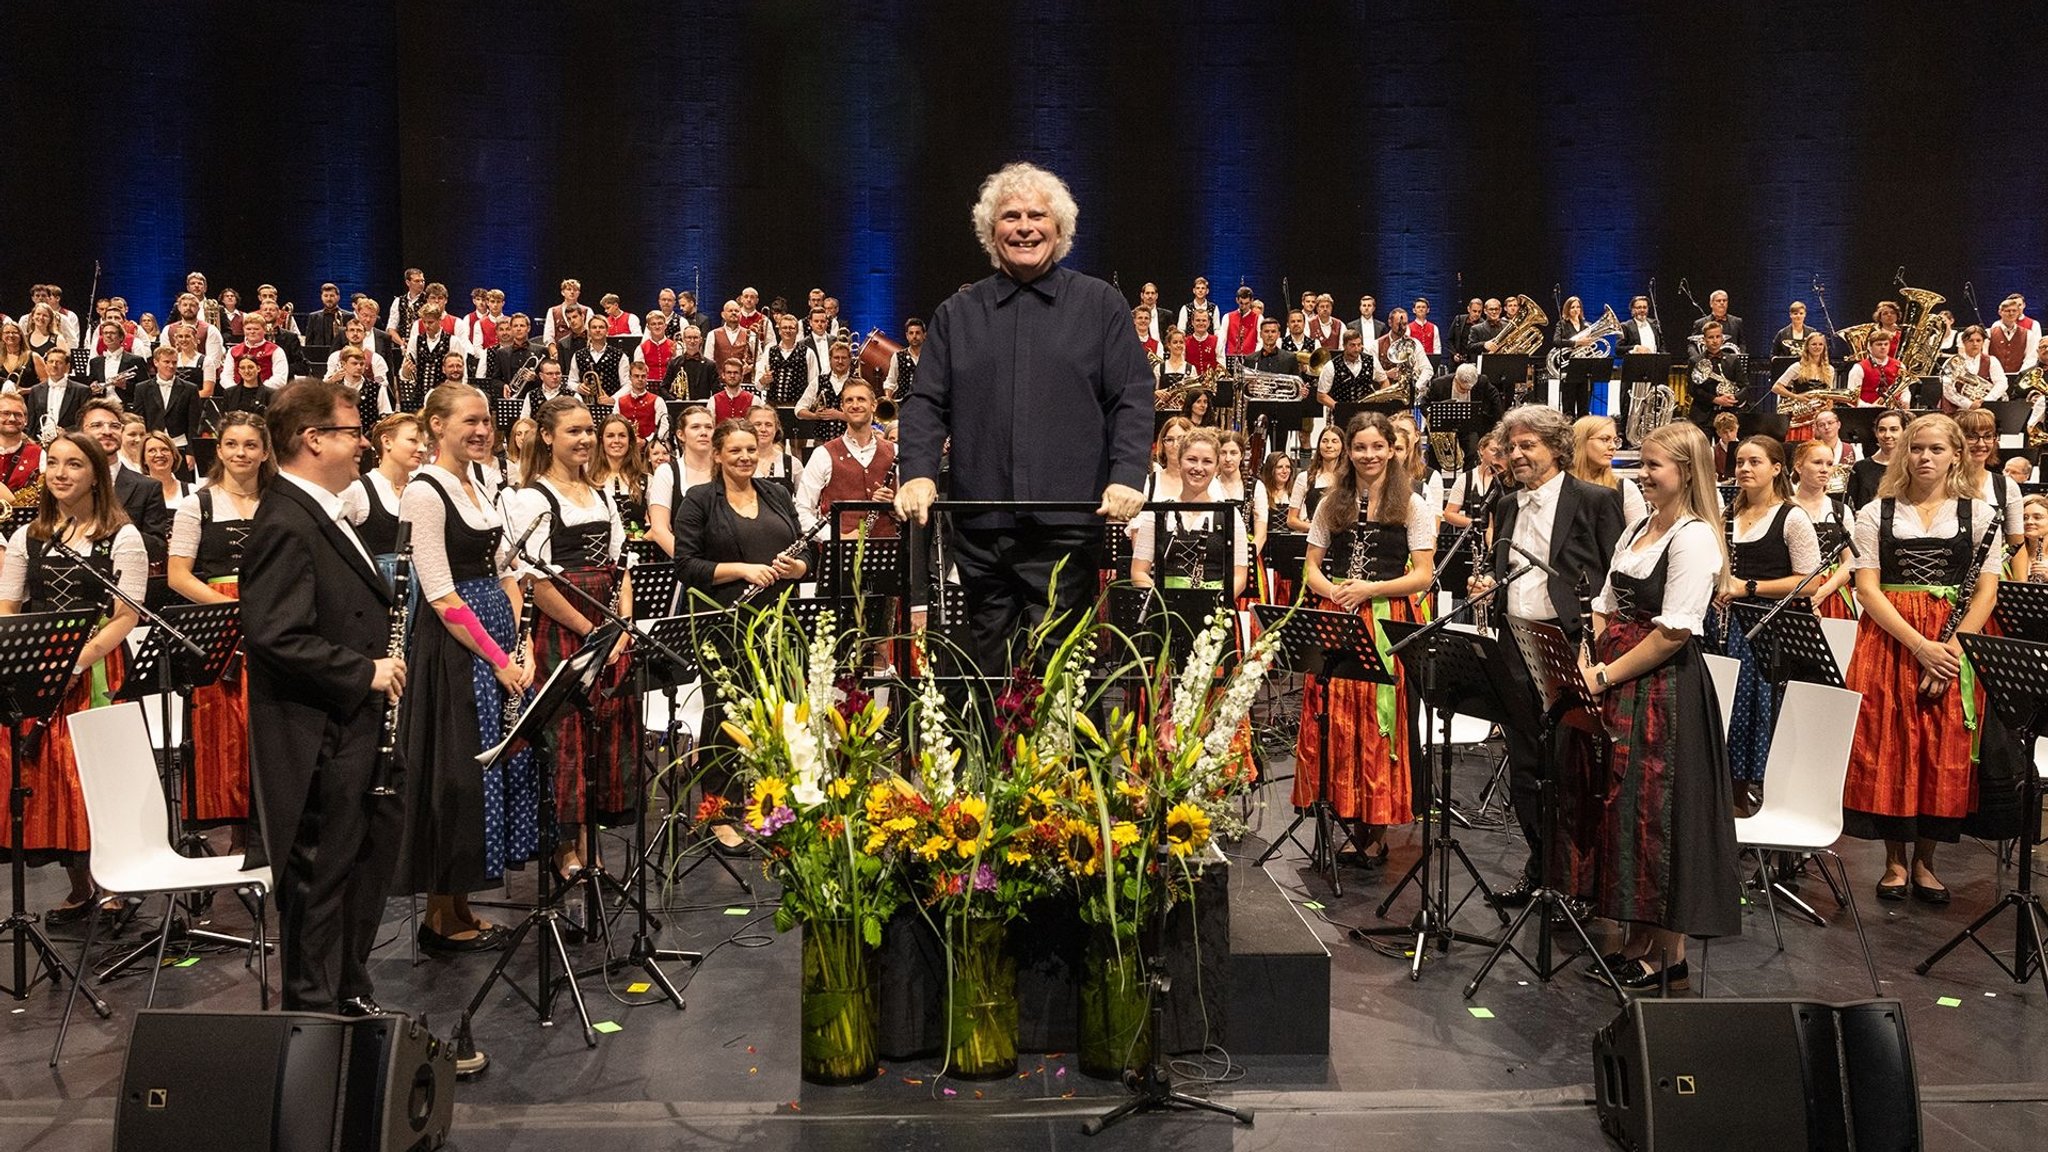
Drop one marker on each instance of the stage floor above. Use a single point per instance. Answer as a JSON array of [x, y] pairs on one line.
[[1409, 1062]]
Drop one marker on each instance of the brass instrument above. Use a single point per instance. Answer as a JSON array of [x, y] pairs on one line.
[[1257, 385], [1524, 336], [2037, 437], [1966, 383], [1802, 409], [47, 429], [1922, 333], [1709, 372], [1857, 337], [1650, 407], [386, 782], [1312, 361], [1205, 382], [1400, 373], [31, 494], [886, 409], [1600, 336], [2033, 380], [1838, 479], [1449, 452]]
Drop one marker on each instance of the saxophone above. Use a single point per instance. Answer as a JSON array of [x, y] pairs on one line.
[[386, 782]]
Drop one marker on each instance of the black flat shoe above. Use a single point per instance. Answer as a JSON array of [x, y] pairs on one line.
[[1639, 977], [1615, 962], [483, 941], [1515, 897], [1926, 895], [1891, 892], [359, 1006], [68, 913]]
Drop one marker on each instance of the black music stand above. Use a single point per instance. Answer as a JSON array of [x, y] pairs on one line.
[[1554, 664], [2015, 677], [1329, 646], [506, 411], [1640, 368], [37, 654], [1581, 375], [2022, 610], [1455, 417], [569, 685], [1455, 672], [681, 632], [164, 667], [1162, 620], [653, 573], [1789, 642], [1283, 417], [2010, 415]]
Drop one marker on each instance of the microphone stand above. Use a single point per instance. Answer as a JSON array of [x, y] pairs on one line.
[[642, 953], [181, 932], [1789, 597]]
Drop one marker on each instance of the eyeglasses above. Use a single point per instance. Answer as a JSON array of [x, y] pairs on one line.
[[351, 429], [1981, 437]]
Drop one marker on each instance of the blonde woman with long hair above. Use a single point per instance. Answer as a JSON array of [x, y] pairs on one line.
[[1594, 442], [1911, 776], [1664, 852]]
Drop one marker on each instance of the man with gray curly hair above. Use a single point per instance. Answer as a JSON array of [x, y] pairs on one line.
[[1034, 381], [1572, 526]]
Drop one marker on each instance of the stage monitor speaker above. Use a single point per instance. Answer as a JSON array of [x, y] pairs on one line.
[[1792, 1075], [282, 1082]]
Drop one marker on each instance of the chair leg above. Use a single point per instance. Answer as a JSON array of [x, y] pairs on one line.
[[262, 949], [1855, 915], [92, 925], [1706, 949], [163, 940], [1763, 881]]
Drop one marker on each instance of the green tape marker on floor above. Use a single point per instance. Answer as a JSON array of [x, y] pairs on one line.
[[1312, 905], [1949, 1002], [605, 1026], [187, 962], [737, 911], [1481, 1013]]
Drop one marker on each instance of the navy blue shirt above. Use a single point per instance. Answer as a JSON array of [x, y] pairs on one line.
[[1043, 389]]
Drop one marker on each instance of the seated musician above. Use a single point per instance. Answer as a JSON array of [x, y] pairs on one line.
[[1466, 386], [1347, 379], [1973, 359], [1717, 356]]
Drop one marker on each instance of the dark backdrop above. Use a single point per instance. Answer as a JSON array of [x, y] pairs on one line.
[[1336, 145]]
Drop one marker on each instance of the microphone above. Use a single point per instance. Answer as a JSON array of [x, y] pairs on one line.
[[1536, 561], [519, 549]]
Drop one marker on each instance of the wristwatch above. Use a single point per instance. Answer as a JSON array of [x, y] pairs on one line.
[[1751, 589], [1600, 674]]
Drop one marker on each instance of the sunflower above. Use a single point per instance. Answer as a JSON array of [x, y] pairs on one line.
[[965, 824], [1187, 829], [1080, 848], [769, 794], [1038, 804], [1123, 833]]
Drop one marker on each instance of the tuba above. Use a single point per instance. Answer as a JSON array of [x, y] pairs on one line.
[[1922, 333], [1400, 385], [1524, 336], [1650, 407], [1857, 337], [1600, 334], [2033, 380]]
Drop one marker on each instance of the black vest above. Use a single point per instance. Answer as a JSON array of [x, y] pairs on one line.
[[1768, 557], [220, 541], [472, 552], [786, 374], [1939, 563], [1348, 387]]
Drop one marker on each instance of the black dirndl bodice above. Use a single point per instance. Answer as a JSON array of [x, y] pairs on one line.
[[1937, 563], [220, 542], [578, 547], [472, 552], [1191, 557], [1379, 552], [379, 529], [55, 583]]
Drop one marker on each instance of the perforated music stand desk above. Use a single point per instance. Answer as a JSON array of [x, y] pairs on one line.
[[2014, 674], [1329, 646], [2022, 610], [215, 628], [1162, 619], [506, 410], [1792, 646], [37, 654]]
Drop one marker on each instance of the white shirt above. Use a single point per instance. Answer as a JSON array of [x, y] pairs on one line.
[[812, 398], [804, 350], [818, 473], [1143, 528], [1690, 582], [130, 556], [1535, 516], [336, 509], [1855, 383], [275, 375], [185, 526], [2032, 334], [662, 483], [1993, 371], [1639, 336], [1421, 527], [524, 505], [1800, 539], [548, 333], [421, 505], [2013, 512]]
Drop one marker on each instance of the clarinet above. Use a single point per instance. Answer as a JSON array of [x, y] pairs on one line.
[[515, 702], [1970, 578], [796, 549], [385, 783]]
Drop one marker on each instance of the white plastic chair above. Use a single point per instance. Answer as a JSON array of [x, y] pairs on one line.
[[1841, 635], [1802, 804], [1724, 670], [132, 854]]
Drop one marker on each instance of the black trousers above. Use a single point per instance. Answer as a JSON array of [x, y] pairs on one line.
[[1530, 757], [332, 885], [1007, 575]]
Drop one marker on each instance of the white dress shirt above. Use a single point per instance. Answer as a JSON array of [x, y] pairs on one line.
[[1535, 516], [336, 509], [818, 473]]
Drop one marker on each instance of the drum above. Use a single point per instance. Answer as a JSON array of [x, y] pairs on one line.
[[877, 352]]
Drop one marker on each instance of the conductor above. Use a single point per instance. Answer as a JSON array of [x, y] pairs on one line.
[[1036, 378], [314, 630]]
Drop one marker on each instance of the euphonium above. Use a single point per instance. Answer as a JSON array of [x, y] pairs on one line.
[[1802, 410], [2033, 380], [1400, 383], [1523, 337], [1600, 334], [1449, 452], [1966, 383]]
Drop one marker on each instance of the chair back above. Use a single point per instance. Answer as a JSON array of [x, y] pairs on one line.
[[1841, 636], [124, 800], [1810, 752], [1723, 670]]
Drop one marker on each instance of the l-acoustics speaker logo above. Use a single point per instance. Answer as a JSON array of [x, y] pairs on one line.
[[1687, 1086], [157, 1099]]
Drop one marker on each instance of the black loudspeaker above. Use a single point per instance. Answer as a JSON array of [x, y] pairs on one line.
[[282, 1082], [1796, 1075]]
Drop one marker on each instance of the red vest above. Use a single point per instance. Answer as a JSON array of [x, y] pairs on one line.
[[721, 346], [238, 352], [562, 320], [1878, 381], [656, 354], [1424, 331], [1327, 334], [850, 481], [642, 410], [483, 331], [1240, 333], [2010, 353], [1201, 353], [620, 325], [724, 407]]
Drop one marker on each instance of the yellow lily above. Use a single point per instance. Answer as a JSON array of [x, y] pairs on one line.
[[738, 734]]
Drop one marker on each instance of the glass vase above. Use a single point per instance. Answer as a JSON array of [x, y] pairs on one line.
[[838, 1004], [982, 1041], [1115, 1027]]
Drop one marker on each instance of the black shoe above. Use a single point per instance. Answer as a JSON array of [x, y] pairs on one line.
[[1891, 891], [483, 941], [68, 913], [1639, 977], [1926, 895], [359, 1006], [1515, 897], [1615, 962]]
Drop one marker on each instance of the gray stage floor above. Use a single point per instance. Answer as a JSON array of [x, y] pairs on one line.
[[1409, 1060]]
